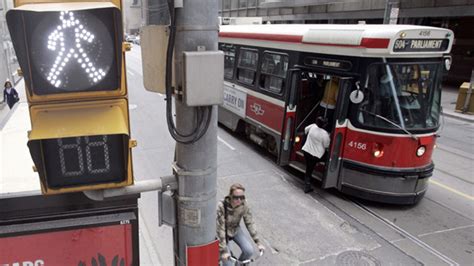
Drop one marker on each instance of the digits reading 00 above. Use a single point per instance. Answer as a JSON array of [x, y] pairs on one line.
[[77, 160]]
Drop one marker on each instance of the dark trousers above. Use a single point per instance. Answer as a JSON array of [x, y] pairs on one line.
[[310, 164], [10, 104]]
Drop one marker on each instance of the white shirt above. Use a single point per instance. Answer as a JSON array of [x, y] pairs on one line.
[[317, 140]]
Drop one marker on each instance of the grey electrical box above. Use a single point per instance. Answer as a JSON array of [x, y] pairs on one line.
[[203, 78]]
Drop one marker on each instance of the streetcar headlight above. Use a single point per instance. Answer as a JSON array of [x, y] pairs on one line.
[[420, 151], [378, 153], [377, 150], [297, 139]]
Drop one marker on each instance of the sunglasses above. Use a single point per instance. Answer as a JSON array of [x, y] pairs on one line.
[[238, 197]]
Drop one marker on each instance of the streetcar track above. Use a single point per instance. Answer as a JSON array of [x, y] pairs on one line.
[[336, 209], [446, 230], [450, 189], [446, 207], [457, 177], [340, 212], [388, 223], [406, 234], [455, 152]]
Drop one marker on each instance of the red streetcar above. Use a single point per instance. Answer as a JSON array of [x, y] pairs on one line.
[[379, 87]]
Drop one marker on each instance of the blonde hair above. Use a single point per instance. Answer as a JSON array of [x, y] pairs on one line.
[[234, 187]]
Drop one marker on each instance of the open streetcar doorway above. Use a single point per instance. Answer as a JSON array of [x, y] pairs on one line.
[[322, 95]]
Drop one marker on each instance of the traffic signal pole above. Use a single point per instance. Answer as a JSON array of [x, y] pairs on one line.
[[196, 164]]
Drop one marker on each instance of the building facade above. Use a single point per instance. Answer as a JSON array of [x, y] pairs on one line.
[[132, 16], [8, 60]]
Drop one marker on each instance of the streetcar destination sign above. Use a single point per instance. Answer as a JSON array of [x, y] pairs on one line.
[[328, 63], [413, 45]]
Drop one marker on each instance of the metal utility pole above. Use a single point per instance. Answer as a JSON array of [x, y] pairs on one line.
[[155, 12], [196, 164]]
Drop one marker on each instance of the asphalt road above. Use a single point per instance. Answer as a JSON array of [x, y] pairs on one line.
[[324, 227]]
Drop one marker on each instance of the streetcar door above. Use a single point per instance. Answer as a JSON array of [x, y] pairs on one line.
[[331, 176], [289, 124]]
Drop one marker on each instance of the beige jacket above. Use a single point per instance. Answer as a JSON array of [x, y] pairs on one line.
[[234, 216]]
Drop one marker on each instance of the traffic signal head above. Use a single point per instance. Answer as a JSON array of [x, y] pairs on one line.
[[63, 50], [72, 58]]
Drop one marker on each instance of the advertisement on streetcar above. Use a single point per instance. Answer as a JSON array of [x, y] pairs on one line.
[[235, 100], [102, 245]]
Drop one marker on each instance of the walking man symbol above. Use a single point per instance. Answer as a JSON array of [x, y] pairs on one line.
[[75, 51]]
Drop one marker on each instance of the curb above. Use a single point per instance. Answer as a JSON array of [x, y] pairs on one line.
[[458, 116]]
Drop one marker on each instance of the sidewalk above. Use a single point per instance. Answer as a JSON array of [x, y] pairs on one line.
[[449, 97]]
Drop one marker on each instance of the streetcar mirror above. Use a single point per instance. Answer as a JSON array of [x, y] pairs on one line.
[[356, 96]]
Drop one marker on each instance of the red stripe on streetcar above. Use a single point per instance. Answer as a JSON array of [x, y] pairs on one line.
[[377, 43], [263, 37]]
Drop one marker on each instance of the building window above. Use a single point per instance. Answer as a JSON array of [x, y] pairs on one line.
[[242, 3], [273, 72], [247, 66], [227, 4]]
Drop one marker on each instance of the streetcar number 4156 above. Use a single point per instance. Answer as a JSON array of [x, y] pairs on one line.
[[357, 145]]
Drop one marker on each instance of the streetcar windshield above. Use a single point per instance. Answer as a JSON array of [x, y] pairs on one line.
[[408, 95]]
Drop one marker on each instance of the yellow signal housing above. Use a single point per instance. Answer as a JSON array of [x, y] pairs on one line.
[[72, 57]]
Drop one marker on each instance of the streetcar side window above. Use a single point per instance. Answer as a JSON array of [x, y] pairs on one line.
[[247, 66], [229, 59], [273, 72]]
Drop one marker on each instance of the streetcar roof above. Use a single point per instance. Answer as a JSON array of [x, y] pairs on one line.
[[347, 39]]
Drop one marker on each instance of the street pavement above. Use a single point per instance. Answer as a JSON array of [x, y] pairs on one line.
[[335, 237]]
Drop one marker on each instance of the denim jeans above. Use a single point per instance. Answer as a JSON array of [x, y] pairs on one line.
[[245, 244]]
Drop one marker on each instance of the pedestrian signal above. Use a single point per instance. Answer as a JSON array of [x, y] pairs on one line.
[[72, 59]]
